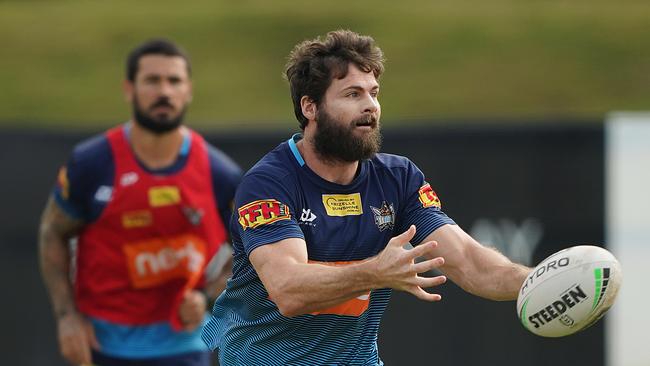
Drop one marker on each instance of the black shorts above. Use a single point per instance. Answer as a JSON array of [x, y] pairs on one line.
[[185, 359]]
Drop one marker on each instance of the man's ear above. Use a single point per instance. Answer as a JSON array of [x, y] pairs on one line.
[[129, 90], [309, 108]]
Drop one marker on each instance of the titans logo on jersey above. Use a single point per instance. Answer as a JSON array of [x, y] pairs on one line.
[[282, 198]]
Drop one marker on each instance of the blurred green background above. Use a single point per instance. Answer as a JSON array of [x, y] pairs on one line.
[[63, 61]]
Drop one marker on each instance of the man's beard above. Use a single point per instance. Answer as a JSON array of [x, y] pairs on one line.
[[157, 124], [335, 141]]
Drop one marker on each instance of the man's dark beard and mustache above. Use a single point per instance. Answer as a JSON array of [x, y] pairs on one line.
[[335, 141], [157, 125]]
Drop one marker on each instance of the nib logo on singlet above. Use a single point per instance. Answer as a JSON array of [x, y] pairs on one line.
[[168, 258], [158, 260]]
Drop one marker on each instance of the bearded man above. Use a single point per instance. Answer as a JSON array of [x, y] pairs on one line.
[[322, 222], [147, 202]]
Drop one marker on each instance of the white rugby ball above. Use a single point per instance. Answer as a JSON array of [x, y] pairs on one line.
[[569, 291]]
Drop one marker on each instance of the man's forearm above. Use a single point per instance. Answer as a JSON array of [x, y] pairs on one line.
[[55, 270], [298, 286], [477, 269], [312, 286], [55, 230], [496, 277]]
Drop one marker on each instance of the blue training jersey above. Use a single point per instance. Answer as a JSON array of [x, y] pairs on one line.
[[280, 198], [83, 191]]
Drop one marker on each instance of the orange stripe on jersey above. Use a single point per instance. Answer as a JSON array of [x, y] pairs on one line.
[[352, 307]]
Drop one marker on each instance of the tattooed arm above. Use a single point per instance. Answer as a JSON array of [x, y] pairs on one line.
[[75, 332]]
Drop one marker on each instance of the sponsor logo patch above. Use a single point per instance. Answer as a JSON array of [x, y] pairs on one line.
[[262, 212], [164, 196], [128, 179], [343, 204], [384, 216], [155, 261], [307, 217], [64, 184], [193, 215], [104, 193], [135, 219], [428, 197]]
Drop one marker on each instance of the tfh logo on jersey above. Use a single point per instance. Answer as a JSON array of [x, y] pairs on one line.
[[384, 216], [428, 197], [262, 212]]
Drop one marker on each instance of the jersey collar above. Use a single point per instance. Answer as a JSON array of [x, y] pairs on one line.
[[318, 179], [294, 148]]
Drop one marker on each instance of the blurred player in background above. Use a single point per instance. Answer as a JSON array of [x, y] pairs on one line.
[[147, 202], [321, 223]]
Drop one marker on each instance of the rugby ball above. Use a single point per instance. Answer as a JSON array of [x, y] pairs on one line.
[[569, 291]]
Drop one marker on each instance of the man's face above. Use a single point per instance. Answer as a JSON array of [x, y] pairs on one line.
[[160, 92], [347, 121]]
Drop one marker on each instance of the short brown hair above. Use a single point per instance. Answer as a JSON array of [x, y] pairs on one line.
[[313, 64]]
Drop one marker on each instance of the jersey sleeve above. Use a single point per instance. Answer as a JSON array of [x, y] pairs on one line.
[[422, 206], [89, 167], [226, 176], [65, 197], [265, 212]]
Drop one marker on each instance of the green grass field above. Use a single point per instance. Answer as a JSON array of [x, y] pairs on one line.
[[62, 63]]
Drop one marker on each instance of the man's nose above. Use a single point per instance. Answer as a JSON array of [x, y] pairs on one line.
[[371, 104], [165, 88]]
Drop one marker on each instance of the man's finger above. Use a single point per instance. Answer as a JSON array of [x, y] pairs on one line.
[[187, 295], [92, 339], [423, 295], [404, 237], [426, 282], [423, 249], [76, 351], [86, 356], [428, 265]]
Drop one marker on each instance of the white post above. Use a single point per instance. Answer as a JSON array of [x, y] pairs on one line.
[[627, 210]]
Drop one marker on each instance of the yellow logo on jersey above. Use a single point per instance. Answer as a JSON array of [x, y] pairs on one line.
[[140, 218], [164, 196], [343, 204], [63, 182], [428, 197]]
